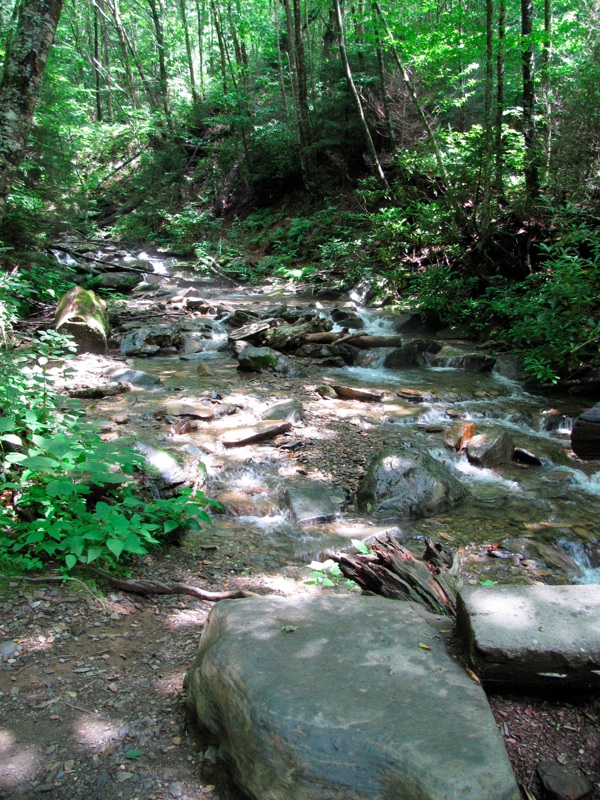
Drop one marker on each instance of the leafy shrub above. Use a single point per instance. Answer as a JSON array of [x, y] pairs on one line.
[[65, 493]]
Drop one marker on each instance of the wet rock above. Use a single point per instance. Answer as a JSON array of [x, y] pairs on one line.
[[162, 463], [490, 449], [409, 355], [264, 359], [97, 392], [351, 393], [150, 339], [457, 436], [8, 650], [401, 484], [82, 315], [188, 408], [545, 555], [522, 456], [459, 359], [254, 332], [289, 336], [122, 281], [332, 362], [585, 436], [274, 669], [136, 377], [531, 635], [238, 503], [240, 317], [194, 342], [325, 391], [312, 501], [412, 395], [239, 437], [414, 324], [564, 782], [347, 317], [289, 410]]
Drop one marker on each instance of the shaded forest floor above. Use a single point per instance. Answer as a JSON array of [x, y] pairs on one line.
[[92, 702]]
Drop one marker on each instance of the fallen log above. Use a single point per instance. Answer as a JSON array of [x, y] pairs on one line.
[[363, 340], [391, 570]]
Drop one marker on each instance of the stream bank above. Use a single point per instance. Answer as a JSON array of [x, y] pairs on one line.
[[259, 542]]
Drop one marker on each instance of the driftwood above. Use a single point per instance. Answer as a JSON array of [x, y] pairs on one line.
[[363, 340], [393, 571]]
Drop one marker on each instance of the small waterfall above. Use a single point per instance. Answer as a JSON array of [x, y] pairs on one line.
[[577, 551]]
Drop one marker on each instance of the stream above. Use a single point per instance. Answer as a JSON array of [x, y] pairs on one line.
[[522, 523]]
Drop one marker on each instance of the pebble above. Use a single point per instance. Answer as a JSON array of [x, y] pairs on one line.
[[175, 789]]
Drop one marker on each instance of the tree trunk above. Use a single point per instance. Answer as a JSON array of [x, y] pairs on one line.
[[546, 88], [374, 158], [500, 66], [201, 17], [387, 112], [488, 125], [21, 82], [188, 49], [96, 63], [222, 45], [528, 65], [163, 78]]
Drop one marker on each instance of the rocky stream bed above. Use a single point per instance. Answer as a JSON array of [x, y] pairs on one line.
[[91, 687]]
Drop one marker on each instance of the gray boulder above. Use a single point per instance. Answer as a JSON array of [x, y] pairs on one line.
[[585, 436], [264, 359], [533, 635], [162, 464], [401, 484], [150, 339], [312, 501], [121, 281], [409, 355], [290, 410], [136, 377], [459, 359], [493, 448], [337, 697]]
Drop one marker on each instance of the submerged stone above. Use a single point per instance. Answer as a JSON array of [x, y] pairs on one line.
[[312, 501], [336, 697]]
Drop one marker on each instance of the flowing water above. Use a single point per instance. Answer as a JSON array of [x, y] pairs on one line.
[[531, 516]]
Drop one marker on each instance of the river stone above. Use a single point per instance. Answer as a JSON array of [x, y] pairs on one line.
[[459, 359], [189, 408], [564, 782], [312, 501], [335, 697], [239, 437], [409, 355], [351, 393], [136, 377], [289, 410], [122, 281], [531, 635], [402, 484], [490, 449], [264, 359], [150, 339], [170, 471], [585, 436]]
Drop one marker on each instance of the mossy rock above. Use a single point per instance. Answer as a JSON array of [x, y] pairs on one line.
[[82, 315]]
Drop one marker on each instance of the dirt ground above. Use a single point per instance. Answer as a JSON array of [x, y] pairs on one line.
[[91, 702]]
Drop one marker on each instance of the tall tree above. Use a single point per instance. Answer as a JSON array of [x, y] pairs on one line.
[[528, 66], [21, 82]]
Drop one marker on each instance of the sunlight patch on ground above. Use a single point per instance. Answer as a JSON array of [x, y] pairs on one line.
[[93, 730], [187, 618], [18, 764]]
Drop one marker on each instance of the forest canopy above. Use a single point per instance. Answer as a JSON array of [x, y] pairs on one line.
[[446, 151]]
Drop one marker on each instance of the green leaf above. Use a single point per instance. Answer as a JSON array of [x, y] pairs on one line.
[[116, 546], [7, 424], [70, 561], [487, 583], [15, 458], [94, 552], [12, 438], [136, 753], [38, 462]]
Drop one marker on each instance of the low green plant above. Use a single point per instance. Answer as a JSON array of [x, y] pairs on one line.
[[328, 573], [65, 494]]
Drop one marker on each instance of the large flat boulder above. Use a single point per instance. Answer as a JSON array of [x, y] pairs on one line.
[[533, 635], [344, 698]]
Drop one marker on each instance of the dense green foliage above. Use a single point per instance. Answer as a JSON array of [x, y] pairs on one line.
[[232, 132], [65, 494]]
